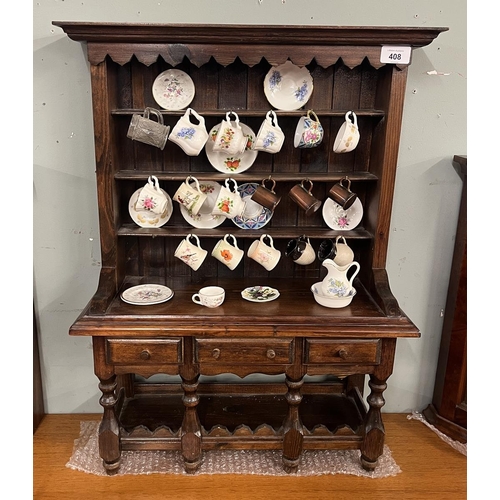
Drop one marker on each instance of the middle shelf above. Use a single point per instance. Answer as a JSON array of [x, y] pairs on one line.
[[279, 232]]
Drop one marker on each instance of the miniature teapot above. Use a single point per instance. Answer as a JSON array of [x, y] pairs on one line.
[[336, 283]]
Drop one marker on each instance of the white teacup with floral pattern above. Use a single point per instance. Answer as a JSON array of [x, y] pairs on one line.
[[228, 253], [151, 198], [309, 131], [191, 253], [348, 136], [209, 296], [266, 255], [229, 203], [230, 138], [190, 195], [270, 137], [191, 137]]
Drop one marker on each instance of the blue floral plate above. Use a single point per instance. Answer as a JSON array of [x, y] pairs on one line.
[[288, 87]]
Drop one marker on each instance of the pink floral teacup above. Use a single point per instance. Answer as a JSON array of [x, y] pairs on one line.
[[151, 198], [309, 131]]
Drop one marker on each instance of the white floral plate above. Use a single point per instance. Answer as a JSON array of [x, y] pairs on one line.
[[234, 164], [339, 219], [260, 294], [288, 87], [143, 295], [173, 89], [255, 221], [145, 218], [204, 219]]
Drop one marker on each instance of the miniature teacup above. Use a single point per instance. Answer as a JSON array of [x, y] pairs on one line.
[[148, 131], [270, 137], [309, 131], [227, 253], [189, 136], [266, 197], [209, 296], [348, 135], [343, 253], [266, 255], [190, 195], [191, 254], [301, 251], [229, 203], [151, 198], [230, 138], [342, 194], [304, 197]]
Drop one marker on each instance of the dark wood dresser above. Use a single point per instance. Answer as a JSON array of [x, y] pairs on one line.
[[319, 356]]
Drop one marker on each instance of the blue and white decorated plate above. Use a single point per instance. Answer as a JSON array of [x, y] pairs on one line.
[[254, 216]]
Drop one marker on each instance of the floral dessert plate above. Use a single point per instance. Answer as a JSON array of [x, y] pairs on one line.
[[260, 294], [204, 219], [143, 295], [339, 219], [288, 87], [173, 89], [232, 164], [254, 216], [145, 218]]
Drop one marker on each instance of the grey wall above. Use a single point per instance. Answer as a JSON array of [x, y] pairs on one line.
[[66, 254]]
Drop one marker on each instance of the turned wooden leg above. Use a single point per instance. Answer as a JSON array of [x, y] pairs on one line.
[[109, 429], [293, 433], [191, 428], [373, 442]]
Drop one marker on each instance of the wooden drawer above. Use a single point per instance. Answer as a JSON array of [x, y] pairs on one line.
[[144, 351], [245, 352], [325, 351]]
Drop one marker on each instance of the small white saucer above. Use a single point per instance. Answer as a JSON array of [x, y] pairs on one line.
[[339, 219], [260, 294], [288, 87], [144, 218], [143, 295], [232, 164], [173, 89]]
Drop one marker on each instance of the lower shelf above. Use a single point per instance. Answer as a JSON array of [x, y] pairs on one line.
[[242, 421]]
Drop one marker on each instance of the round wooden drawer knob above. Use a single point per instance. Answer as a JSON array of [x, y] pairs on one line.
[[343, 353], [271, 354], [145, 355], [216, 353]]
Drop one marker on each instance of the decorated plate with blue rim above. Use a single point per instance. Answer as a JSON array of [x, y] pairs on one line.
[[254, 216], [288, 87]]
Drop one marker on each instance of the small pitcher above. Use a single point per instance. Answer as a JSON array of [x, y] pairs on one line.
[[336, 283]]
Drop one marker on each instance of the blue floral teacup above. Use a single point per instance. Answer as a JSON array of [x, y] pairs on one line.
[[189, 136], [270, 137]]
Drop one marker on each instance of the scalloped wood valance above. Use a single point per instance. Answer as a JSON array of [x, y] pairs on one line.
[[250, 43]]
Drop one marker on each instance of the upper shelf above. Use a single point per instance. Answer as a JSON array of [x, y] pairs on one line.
[[251, 43]]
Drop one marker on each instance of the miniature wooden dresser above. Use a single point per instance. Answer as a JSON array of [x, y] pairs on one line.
[[318, 356]]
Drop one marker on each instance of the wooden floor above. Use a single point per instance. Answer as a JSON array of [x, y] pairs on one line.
[[431, 469]]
